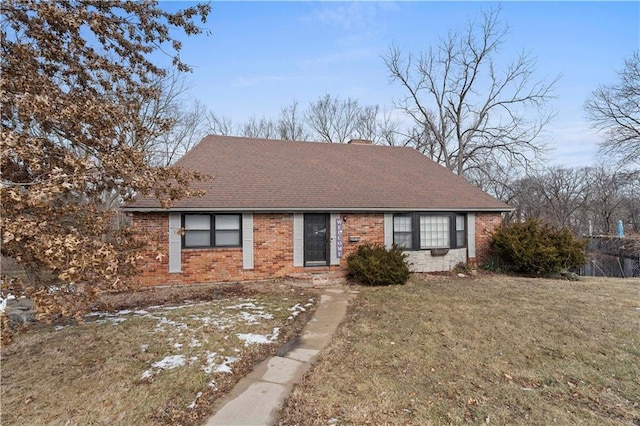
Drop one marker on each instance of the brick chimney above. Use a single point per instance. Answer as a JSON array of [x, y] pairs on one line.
[[360, 142]]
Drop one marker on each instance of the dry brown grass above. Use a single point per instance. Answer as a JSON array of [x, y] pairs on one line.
[[95, 373], [492, 349]]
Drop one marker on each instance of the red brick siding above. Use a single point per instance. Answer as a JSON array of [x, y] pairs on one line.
[[369, 227], [154, 262], [273, 253], [485, 224], [273, 248]]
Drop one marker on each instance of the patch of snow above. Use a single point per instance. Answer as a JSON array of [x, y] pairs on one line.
[[177, 345], [112, 320], [169, 362], [193, 404], [251, 319], [124, 312], [141, 312], [275, 333], [164, 321], [246, 306], [259, 339], [219, 323], [224, 367], [210, 362], [146, 374], [58, 327], [250, 338], [295, 310]]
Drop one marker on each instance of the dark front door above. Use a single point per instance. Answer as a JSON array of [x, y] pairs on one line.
[[316, 246]]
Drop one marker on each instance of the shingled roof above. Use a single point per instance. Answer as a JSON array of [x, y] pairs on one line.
[[273, 175]]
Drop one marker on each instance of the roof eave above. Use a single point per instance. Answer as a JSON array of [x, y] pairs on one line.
[[315, 209]]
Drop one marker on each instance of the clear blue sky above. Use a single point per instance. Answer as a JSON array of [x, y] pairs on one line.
[[261, 56]]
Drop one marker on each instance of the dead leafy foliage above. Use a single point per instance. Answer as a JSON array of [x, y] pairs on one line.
[[72, 140], [491, 349]]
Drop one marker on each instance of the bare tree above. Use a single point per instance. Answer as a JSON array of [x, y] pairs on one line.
[[329, 119], [178, 123], [606, 189], [632, 200], [188, 129], [219, 125], [615, 109], [336, 121], [526, 198], [388, 130], [467, 112], [565, 193], [585, 199], [259, 128], [291, 124]]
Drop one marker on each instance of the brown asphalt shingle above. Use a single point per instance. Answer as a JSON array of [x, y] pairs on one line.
[[268, 175]]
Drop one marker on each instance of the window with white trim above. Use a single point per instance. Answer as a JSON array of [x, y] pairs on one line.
[[424, 231], [211, 230]]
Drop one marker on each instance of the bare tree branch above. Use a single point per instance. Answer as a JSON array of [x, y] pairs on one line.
[[467, 114], [615, 110]]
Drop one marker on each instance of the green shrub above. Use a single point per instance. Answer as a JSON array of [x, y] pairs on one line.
[[375, 265], [533, 247]]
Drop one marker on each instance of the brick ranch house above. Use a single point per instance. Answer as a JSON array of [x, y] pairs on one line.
[[281, 207]]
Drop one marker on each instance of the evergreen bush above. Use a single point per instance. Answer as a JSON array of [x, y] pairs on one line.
[[534, 247], [375, 265]]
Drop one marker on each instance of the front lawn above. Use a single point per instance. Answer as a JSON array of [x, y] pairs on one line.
[[489, 350], [162, 364]]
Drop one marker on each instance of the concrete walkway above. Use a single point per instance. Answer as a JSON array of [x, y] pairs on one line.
[[256, 398]]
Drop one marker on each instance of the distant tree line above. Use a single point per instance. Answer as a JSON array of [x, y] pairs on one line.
[[587, 200]]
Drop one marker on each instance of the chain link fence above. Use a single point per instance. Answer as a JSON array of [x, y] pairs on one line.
[[612, 257]]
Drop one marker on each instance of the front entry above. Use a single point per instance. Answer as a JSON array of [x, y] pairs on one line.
[[316, 239]]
